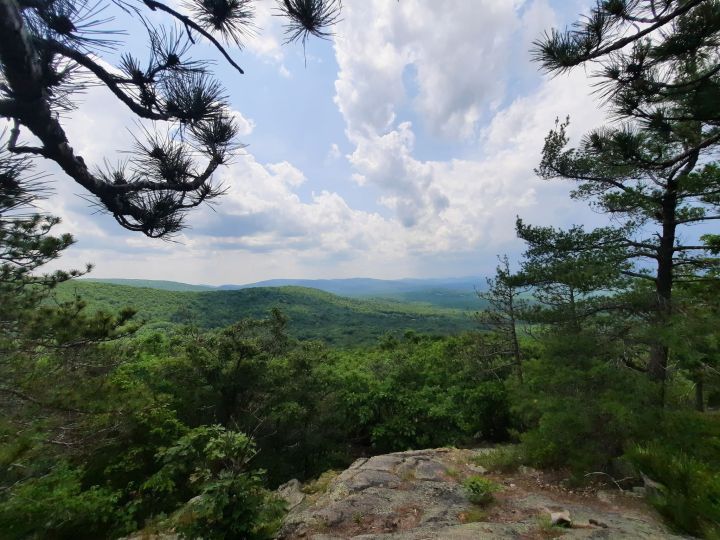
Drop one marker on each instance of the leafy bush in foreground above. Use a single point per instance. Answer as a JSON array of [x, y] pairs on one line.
[[480, 490]]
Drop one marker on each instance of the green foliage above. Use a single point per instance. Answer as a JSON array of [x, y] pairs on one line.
[[651, 171], [418, 394], [312, 314], [450, 294], [580, 407], [690, 492], [231, 502], [480, 490], [231, 506], [61, 507], [504, 459], [88, 447], [634, 70], [684, 457]]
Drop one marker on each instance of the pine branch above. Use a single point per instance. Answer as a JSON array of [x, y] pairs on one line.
[[694, 220], [190, 24], [541, 51], [110, 81]]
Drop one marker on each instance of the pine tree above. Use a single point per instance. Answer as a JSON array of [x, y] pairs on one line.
[[45, 359], [49, 52], [650, 170], [503, 316]]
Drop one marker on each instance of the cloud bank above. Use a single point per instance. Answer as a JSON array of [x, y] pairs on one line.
[[411, 77]]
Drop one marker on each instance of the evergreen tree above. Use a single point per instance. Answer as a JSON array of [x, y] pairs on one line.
[[623, 172], [49, 52], [502, 316], [40, 340], [651, 171]]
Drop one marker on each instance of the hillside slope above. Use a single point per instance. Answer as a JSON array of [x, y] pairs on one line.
[[313, 314], [152, 284], [457, 293]]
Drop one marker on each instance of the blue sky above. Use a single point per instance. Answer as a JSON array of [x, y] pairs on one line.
[[403, 147]]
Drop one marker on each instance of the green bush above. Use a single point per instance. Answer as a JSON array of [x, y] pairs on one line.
[[685, 460], [232, 505], [422, 393], [480, 490], [231, 501], [581, 409], [57, 506], [690, 492]]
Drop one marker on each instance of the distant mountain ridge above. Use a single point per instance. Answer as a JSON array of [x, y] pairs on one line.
[[313, 314], [459, 293], [161, 285]]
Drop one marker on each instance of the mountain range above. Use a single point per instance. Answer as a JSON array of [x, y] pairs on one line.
[[458, 293]]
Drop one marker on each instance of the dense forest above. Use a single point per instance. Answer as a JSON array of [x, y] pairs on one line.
[[312, 314], [596, 355]]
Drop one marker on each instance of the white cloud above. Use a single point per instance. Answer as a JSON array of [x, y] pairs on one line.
[[465, 55], [287, 173], [245, 126], [434, 215], [334, 152], [461, 53]]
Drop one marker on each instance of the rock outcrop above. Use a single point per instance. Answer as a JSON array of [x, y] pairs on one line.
[[419, 495]]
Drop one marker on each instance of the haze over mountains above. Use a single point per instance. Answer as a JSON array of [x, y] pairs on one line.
[[459, 293]]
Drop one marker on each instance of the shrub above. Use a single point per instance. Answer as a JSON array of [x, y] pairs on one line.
[[685, 460], [480, 490], [505, 459], [582, 411], [231, 506], [230, 500], [56, 506]]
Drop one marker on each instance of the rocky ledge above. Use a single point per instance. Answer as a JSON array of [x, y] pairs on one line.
[[419, 495]]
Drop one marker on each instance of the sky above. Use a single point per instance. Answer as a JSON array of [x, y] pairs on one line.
[[402, 147]]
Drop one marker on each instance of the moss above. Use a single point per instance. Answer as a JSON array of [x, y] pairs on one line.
[[321, 483], [473, 515]]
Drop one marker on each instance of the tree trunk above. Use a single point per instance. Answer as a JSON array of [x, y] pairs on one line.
[[658, 362], [513, 336], [659, 353]]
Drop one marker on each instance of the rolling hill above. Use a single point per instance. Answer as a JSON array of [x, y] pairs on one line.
[[153, 284], [313, 314], [458, 293]]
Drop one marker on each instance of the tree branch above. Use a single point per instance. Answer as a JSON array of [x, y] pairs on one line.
[[107, 78], [621, 43], [638, 275], [189, 23], [690, 248], [694, 220]]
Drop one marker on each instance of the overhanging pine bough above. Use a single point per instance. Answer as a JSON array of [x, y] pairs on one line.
[[49, 51]]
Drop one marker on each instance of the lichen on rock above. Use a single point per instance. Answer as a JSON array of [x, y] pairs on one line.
[[419, 495]]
